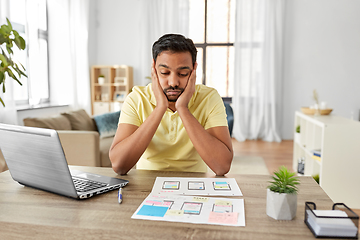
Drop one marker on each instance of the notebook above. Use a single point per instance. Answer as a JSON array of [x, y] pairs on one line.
[[35, 158]]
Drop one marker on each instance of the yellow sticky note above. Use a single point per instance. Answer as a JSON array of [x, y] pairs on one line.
[[173, 212], [223, 203]]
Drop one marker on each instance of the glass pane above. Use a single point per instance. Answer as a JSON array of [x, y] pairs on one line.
[[220, 69], [220, 21], [197, 20], [42, 15], [17, 11], [199, 70], [39, 74]]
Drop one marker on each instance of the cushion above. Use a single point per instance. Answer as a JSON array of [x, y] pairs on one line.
[[80, 120], [57, 123], [107, 123]]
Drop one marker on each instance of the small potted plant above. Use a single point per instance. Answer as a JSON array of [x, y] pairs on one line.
[[281, 200], [101, 79]]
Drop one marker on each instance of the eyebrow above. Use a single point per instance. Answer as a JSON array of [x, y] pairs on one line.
[[180, 68]]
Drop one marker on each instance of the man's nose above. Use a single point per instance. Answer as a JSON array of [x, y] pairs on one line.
[[173, 80]]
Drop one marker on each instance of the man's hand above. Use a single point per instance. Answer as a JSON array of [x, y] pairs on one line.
[[161, 100], [184, 99]]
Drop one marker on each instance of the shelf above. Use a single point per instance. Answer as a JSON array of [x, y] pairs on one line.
[[118, 81], [338, 138]]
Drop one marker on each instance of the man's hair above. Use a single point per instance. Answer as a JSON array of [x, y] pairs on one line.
[[174, 43]]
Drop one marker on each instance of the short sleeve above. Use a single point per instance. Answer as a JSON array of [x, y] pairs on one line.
[[217, 113], [129, 114]]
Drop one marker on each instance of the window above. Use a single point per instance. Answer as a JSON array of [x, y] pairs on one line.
[[29, 18], [212, 28]]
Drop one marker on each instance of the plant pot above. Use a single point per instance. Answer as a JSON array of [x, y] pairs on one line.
[[101, 80], [281, 206]]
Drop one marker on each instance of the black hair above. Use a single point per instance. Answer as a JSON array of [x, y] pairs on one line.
[[174, 43]]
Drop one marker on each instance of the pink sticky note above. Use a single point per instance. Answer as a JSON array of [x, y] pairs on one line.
[[224, 218]]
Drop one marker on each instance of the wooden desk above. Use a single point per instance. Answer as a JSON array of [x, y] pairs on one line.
[[27, 213]]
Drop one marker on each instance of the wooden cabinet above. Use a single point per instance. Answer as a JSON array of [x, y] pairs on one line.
[[337, 141], [109, 87]]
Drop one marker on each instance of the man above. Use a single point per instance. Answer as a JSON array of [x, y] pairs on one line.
[[172, 124]]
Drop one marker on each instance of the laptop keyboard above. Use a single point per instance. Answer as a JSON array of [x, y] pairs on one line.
[[84, 185]]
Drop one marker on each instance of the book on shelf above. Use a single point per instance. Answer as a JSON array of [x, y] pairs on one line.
[[316, 158], [316, 154]]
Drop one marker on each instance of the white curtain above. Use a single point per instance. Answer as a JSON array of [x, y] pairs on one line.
[[8, 113], [68, 53], [158, 18], [258, 64], [79, 32]]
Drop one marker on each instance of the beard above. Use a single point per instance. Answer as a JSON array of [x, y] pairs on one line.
[[173, 97]]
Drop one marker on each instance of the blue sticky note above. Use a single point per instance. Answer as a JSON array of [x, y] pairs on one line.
[[220, 182], [154, 211]]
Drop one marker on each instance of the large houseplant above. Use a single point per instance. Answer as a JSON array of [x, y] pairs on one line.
[[281, 200], [8, 66]]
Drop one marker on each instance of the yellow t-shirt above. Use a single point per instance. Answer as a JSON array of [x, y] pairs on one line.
[[171, 148]]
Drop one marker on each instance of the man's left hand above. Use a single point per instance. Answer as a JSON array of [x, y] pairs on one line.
[[184, 99]]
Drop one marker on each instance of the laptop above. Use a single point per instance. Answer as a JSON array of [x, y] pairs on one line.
[[35, 158]]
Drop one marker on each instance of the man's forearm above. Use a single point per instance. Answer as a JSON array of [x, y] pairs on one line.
[[125, 154], [215, 153]]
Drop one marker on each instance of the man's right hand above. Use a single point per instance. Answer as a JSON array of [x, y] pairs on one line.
[[161, 100]]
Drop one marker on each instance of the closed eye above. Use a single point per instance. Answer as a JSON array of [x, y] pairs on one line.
[[184, 75]]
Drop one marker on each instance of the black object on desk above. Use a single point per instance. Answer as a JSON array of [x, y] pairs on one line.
[[340, 222]]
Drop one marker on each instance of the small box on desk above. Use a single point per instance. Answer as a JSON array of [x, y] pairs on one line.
[[340, 222]]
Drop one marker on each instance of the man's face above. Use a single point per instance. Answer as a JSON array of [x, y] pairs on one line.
[[173, 70]]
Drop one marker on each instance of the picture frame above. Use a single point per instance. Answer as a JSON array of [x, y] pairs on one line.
[[119, 96]]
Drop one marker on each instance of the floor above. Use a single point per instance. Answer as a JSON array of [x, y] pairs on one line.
[[274, 154]]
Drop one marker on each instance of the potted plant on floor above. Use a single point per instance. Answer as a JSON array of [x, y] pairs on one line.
[[281, 200]]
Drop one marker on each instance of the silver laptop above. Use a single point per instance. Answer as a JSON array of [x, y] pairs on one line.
[[36, 158]]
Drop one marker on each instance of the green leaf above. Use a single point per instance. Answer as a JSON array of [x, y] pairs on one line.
[[22, 43], [2, 102], [3, 87], [19, 41], [2, 39], [3, 59], [2, 77], [8, 48], [9, 23], [11, 74], [5, 30]]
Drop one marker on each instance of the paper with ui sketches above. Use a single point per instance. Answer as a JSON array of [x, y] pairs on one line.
[[192, 209], [197, 186]]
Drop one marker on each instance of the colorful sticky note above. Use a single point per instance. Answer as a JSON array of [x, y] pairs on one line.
[[224, 218], [154, 211], [173, 212]]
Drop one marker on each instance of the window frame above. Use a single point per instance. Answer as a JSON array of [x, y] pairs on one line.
[[204, 46]]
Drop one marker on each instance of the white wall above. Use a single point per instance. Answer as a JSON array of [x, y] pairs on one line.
[[322, 52], [115, 33]]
